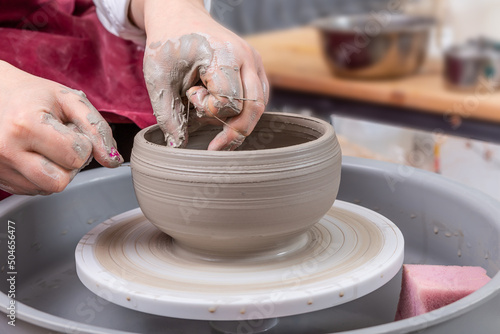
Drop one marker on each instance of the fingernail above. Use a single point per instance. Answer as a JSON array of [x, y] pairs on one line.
[[173, 142], [115, 155], [73, 174], [44, 193], [49, 170]]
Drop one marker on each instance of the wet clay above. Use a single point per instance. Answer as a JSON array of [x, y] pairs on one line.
[[262, 197], [173, 67], [102, 137], [80, 145]]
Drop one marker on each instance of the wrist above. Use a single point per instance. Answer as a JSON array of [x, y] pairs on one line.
[[136, 13], [164, 17], [4, 65], [141, 11], [6, 68]]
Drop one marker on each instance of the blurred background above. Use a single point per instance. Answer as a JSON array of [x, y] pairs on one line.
[[463, 18], [417, 93]]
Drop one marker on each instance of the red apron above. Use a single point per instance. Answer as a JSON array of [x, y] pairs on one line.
[[63, 40]]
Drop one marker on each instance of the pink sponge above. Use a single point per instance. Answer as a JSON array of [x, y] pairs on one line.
[[426, 288]]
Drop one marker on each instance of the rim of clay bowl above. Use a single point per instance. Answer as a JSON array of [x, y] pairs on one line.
[[397, 23], [326, 136]]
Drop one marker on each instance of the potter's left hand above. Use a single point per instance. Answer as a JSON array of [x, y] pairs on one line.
[[190, 55]]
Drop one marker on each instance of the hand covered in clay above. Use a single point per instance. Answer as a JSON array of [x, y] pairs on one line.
[[190, 55], [48, 132]]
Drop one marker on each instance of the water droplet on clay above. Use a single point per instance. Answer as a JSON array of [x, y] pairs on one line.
[[309, 302], [413, 216], [212, 309], [436, 230], [341, 294], [459, 253], [447, 234]]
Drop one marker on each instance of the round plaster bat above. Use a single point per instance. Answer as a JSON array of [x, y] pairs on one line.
[[349, 253]]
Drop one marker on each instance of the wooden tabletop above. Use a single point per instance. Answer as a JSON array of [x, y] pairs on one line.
[[294, 60]]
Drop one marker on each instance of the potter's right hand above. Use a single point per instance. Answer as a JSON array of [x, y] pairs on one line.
[[191, 56], [48, 132]]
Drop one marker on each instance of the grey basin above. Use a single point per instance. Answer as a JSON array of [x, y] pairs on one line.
[[442, 222]]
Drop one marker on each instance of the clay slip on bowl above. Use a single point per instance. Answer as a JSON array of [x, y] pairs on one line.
[[259, 199]]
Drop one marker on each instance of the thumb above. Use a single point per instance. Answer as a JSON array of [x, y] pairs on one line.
[[163, 80], [169, 111]]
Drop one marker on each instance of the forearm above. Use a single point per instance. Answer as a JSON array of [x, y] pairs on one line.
[[136, 13], [147, 14], [8, 74], [5, 68]]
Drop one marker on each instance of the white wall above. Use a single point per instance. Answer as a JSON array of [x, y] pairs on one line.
[[470, 18], [464, 18]]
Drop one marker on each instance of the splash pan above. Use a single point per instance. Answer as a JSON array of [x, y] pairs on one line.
[[442, 223], [351, 252]]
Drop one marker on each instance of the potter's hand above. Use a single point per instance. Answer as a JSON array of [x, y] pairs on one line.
[[189, 54], [48, 132]]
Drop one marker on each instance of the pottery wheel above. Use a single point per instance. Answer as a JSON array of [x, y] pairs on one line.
[[351, 252]]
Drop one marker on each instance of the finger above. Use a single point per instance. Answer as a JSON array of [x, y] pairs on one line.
[[195, 122], [47, 176], [262, 75], [227, 140], [203, 102], [164, 93], [237, 128], [77, 109], [198, 97], [60, 143], [225, 91], [75, 129], [197, 119], [169, 112], [14, 183], [265, 84]]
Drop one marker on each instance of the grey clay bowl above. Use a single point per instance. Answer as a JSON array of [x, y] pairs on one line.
[[258, 199]]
